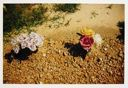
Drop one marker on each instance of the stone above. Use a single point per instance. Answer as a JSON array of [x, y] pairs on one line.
[[93, 78], [98, 60], [105, 49], [59, 51], [107, 46], [110, 71], [44, 55], [64, 54], [40, 82], [120, 54]]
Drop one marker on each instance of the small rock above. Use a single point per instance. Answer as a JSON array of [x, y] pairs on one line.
[[59, 51], [113, 57], [48, 52], [120, 54], [40, 75], [93, 78], [44, 54], [64, 54], [98, 60], [118, 73], [103, 69], [110, 72], [105, 49], [40, 82], [107, 46], [120, 49], [109, 56], [119, 58]]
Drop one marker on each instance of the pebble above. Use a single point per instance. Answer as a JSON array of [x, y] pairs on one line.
[[44, 54], [120, 59], [105, 49], [107, 46], [109, 57], [118, 73], [110, 72], [113, 57], [48, 52], [120, 54], [51, 42], [64, 54], [93, 78], [59, 51], [103, 69], [99, 59], [40, 75], [40, 82]]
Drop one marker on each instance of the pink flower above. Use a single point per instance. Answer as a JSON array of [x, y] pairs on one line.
[[86, 42]]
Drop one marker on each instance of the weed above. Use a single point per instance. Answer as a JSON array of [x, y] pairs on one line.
[[69, 8], [14, 17], [110, 6], [94, 14]]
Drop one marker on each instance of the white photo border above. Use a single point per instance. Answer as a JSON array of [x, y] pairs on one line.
[[125, 85]]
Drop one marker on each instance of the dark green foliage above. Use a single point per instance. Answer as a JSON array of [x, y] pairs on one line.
[[69, 8], [14, 18], [110, 6], [121, 26]]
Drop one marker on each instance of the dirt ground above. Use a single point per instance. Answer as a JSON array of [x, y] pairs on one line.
[[60, 59]]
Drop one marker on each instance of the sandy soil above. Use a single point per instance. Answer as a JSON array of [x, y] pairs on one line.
[[60, 59]]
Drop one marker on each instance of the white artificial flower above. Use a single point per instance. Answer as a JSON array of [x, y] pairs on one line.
[[33, 35], [37, 39], [32, 47], [97, 39], [31, 41], [24, 44], [22, 38], [14, 42], [16, 49]]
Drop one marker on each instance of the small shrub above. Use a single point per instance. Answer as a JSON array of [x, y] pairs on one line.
[[69, 8], [14, 16], [121, 25]]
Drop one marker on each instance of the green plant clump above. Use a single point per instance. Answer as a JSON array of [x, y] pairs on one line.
[[69, 8], [14, 16]]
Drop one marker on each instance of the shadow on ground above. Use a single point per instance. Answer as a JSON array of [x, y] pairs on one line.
[[22, 55], [75, 50], [121, 26]]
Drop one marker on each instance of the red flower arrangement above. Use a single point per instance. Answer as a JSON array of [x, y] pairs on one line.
[[86, 42]]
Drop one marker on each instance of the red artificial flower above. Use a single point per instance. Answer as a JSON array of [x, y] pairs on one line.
[[86, 42]]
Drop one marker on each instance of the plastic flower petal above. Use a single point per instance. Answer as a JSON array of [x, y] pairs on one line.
[[31, 41], [16, 49], [39, 40], [97, 39], [86, 42], [21, 38], [24, 44], [33, 35], [88, 32], [32, 47]]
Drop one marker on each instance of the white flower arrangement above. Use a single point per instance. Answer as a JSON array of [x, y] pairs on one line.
[[97, 39], [31, 41]]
